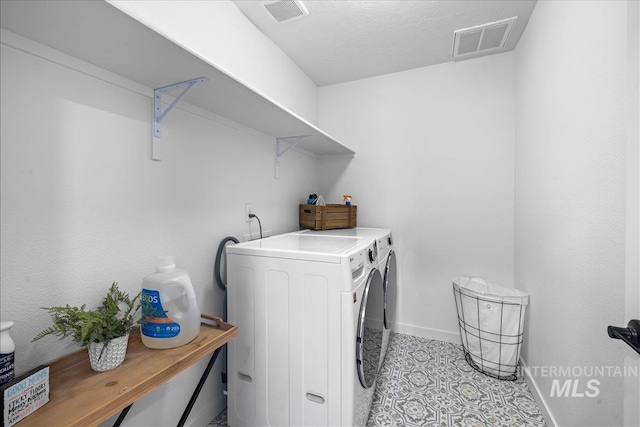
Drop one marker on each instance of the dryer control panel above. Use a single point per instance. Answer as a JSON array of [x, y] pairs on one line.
[[372, 252], [357, 262]]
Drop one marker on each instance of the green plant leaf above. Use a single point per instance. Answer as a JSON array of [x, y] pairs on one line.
[[115, 317]]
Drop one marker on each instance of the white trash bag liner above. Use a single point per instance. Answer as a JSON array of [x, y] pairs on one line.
[[491, 320]]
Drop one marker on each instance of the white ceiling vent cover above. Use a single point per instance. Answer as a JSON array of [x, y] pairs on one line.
[[482, 39], [285, 10]]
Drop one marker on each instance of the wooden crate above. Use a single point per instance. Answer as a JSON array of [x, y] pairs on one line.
[[328, 217]]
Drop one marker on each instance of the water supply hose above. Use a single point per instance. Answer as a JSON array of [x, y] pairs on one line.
[[218, 278], [216, 268]]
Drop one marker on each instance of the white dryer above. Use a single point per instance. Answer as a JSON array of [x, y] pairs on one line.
[[307, 351], [383, 256], [387, 266]]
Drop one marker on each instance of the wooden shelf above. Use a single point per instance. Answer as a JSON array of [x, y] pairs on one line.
[[100, 34], [81, 396]]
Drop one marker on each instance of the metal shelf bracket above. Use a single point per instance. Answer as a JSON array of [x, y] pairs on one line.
[[159, 113], [280, 152]]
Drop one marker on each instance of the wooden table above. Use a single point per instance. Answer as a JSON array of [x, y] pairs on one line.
[[81, 397]]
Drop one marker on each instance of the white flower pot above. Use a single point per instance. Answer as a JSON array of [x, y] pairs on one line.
[[112, 357]]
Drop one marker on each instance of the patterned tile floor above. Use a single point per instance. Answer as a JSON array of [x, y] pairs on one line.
[[220, 420], [428, 383]]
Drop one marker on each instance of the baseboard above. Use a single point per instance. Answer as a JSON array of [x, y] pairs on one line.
[[433, 334], [539, 397]]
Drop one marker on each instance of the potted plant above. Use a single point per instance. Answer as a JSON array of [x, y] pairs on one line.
[[105, 331]]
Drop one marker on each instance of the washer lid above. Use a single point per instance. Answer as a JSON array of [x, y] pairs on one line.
[[350, 232], [298, 246]]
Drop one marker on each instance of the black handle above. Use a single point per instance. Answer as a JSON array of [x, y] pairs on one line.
[[630, 334]]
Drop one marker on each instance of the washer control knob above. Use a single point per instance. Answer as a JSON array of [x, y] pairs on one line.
[[371, 258]]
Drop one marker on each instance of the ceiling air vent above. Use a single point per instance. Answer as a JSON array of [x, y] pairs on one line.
[[481, 39], [285, 10]]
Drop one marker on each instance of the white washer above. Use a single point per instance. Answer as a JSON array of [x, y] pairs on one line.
[[383, 256], [307, 351]]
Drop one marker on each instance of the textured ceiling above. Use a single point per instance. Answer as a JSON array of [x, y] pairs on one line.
[[343, 40]]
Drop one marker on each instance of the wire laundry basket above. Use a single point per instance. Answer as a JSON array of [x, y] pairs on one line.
[[491, 320]]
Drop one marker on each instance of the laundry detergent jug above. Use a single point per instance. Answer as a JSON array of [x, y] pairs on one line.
[[170, 313]]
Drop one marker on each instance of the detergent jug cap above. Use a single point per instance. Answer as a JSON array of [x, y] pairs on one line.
[[164, 264]]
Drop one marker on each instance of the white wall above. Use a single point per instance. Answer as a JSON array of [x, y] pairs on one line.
[[83, 205], [570, 197], [219, 33], [435, 164], [632, 261]]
